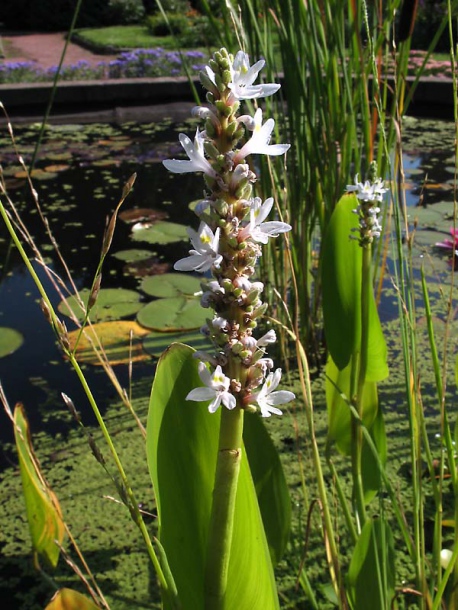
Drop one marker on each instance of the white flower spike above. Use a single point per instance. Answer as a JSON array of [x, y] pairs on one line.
[[205, 252], [259, 141], [367, 191], [267, 398], [216, 389], [258, 230], [243, 77], [197, 161]]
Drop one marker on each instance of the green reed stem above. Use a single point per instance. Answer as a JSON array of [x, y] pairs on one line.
[[223, 508]]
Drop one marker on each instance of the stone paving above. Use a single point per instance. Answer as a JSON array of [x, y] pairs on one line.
[[45, 50]]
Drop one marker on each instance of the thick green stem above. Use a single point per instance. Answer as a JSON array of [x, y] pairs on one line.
[[223, 508]]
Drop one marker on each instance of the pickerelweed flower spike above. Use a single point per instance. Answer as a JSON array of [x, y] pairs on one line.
[[243, 77], [205, 253], [228, 243], [368, 194], [267, 399], [259, 141], [197, 161]]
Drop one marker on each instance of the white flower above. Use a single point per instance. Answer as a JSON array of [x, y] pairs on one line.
[[197, 161], [243, 77], [216, 389], [257, 229], [259, 141], [445, 558], [267, 398], [205, 252], [268, 338], [367, 191]]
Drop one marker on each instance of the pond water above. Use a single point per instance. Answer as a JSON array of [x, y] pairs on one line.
[[79, 177]]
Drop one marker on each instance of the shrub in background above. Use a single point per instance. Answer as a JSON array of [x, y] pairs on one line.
[[56, 15], [191, 29]]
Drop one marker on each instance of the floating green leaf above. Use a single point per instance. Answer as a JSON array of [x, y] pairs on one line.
[[156, 343], [171, 285], [10, 341], [172, 314], [133, 255], [42, 507], [161, 233], [371, 577], [182, 444], [119, 340], [111, 304]]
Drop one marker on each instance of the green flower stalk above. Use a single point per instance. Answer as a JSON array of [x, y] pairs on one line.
[[369, 195], [227, 244]]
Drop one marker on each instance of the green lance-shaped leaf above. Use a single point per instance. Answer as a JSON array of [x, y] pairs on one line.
[[338, 383], [42, 507], [182, 445], [341, 280], [371, 577], [271, 488]]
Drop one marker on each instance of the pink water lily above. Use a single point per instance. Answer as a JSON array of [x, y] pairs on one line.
[[449, 244]]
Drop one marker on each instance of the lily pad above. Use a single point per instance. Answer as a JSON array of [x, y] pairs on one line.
[[115, 338], [156, 343], [111, 304], [10, 341], [161, 233], [173, 314], [133, 255], [171, 285]]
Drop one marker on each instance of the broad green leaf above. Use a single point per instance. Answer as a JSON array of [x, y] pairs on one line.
[[42, 507], [171, 285], [270, 483], [119, 339], [341, 280], [339, 416], [68, 599], [182, 443], [111, 304], [161, 233], [10, 341], [371, 576], [173, 314]]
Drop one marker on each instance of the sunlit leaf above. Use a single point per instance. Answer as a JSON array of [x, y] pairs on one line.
[[10, 341], [270, 483], [172, 314], [341, 279], [42, 507], [111, 304], [182, 443], [339, 416], [68, 599], [171, 285], [115, 338]]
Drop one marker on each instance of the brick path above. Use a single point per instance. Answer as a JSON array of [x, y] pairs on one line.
[[45, 50]]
